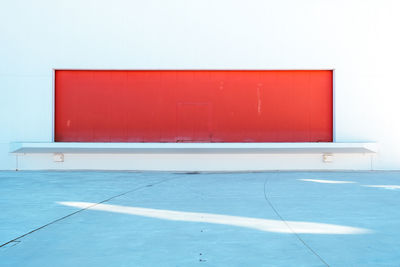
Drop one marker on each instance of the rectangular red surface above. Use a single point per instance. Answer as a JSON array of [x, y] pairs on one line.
[[193, 106]]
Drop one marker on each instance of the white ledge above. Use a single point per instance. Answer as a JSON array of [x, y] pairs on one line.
[[264, 148]]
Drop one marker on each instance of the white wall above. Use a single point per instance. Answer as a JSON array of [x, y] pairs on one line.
[[357, 38]]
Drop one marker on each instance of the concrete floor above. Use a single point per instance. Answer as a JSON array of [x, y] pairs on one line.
[[170, 219]]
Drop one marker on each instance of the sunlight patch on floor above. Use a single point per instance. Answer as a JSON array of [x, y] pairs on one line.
[[389, 187], [276, 226], [327, 181]]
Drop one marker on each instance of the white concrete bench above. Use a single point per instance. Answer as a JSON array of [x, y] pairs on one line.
[[267, 148]]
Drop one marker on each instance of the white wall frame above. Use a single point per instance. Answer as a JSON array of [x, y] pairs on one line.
[[173, 69]]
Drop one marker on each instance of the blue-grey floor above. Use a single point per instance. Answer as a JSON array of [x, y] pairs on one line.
[[90, 237]]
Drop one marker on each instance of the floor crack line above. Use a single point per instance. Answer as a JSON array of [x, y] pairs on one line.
[[288, 226], [83, 209]]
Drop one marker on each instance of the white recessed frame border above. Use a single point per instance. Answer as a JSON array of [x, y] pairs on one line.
[[53, 128]]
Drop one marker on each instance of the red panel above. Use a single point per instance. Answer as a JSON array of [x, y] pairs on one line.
[[193, 106]]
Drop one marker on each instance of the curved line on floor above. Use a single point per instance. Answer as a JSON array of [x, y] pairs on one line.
[[290, 228]]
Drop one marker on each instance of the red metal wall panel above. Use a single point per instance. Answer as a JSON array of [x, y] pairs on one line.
[[193, 106]]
